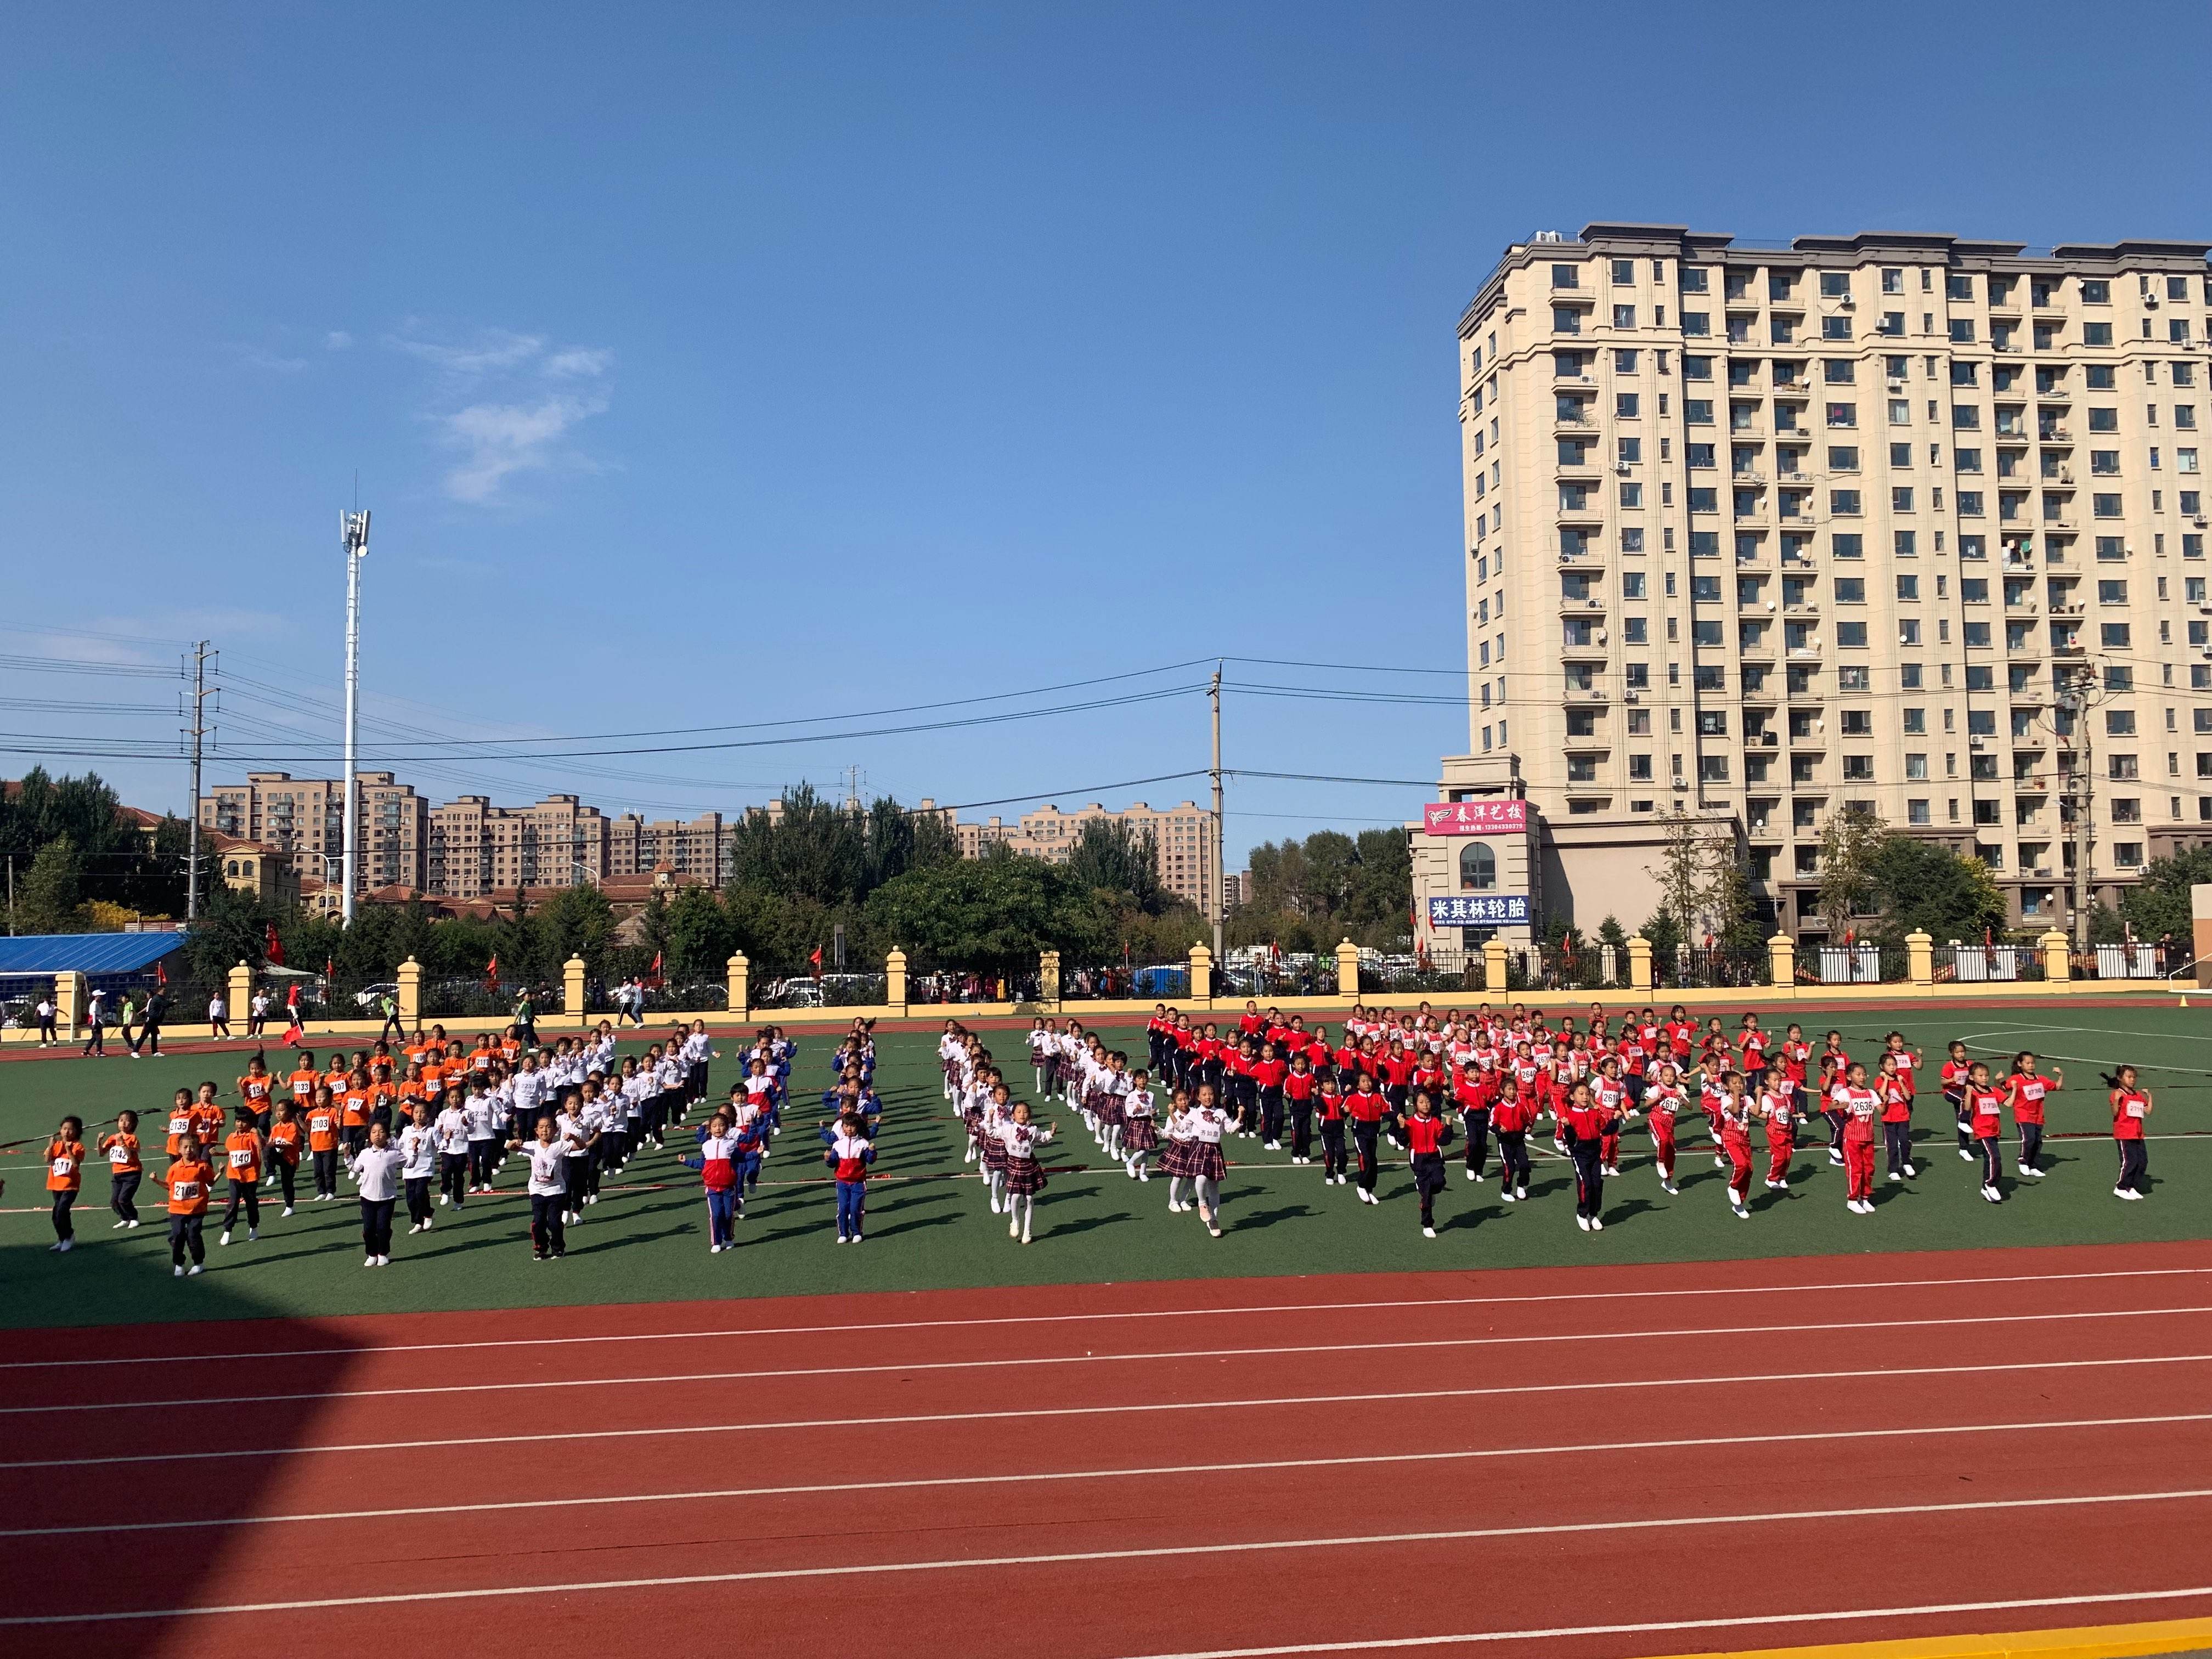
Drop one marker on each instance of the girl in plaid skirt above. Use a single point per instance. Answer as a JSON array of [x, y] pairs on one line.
[[1176, 1151], [989, 1126], [1018, 1141], [1139, 1134], [1113, 1089], [1209, 1123]]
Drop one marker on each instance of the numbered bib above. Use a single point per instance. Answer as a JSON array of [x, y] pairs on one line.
[[178, 1124], [184, 1191], [2134, 1109], [64, 1166], [242, 1160], [118, 1155]]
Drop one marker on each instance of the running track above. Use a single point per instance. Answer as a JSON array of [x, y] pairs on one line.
[[1724, 1457]]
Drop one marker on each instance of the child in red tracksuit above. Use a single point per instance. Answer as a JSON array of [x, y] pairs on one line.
[[1427, 1133], [1861, 1108], [1662, 1100], [1777, 1104], [1732, 1115]]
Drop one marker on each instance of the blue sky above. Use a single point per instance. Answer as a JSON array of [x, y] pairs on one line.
[[709, 365]]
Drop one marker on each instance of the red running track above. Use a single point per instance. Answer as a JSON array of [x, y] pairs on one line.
[[1577, 1462]]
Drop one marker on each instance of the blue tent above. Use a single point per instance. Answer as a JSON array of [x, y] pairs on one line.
[[95, 954]]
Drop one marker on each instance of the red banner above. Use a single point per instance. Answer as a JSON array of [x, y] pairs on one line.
[[1475, 817]]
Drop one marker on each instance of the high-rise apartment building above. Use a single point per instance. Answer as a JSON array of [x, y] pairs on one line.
[[1767, 533], [635, 847], [1182, 841], [304, 819], [475, 847]]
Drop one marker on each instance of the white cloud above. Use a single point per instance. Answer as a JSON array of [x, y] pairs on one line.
[[336, 340], [576, 362], [492, 351], [274, 363], [500, 440]]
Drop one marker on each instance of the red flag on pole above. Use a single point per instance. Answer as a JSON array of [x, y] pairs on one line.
[[276, 947], [329, 967], [161, 974], [816, 960], [491, 971], [653, 977]]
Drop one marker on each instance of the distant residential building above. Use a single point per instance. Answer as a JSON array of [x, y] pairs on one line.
[[304, 819], [255, 868], [1183, 839], [1236, 889]]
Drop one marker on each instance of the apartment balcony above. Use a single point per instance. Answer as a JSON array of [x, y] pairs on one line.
[[1581, 608], [2056, 394], [1573, 421]]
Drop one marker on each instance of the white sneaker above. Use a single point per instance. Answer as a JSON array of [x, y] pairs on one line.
[[2027, 1171], [1597, 1223], [369, 1262], [1909, 1171], [288, 1209], [1893, 1175], [133, 1224], [253, 1234], [1582, 1221], [2122, 1192], [1993, 1195], [384, 1261], [1013, 1229], [1428, 1232], [442, 1197], [1966, 1155], [1741, 1214], [225, 1239], [1669, 1188], [1506, 1194], [192, 1271], [119, 1226], [178, 1272]]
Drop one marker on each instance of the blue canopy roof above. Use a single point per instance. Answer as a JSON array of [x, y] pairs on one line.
[[86, 953]]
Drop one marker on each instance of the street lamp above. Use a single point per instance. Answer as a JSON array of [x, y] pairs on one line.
[[353, 534]]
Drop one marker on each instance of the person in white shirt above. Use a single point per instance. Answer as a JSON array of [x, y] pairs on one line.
[[453, 1126], [418, 1140], [48, 1013], [1025, 1176], [529, 1094], [480, 1115], [218, 1016], [549, 1193], [375, 1169]]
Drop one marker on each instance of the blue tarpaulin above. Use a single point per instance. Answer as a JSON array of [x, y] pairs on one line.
[[86, 953]]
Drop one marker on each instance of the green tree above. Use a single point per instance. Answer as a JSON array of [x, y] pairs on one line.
[[50, 899], [697, 934], [232, 927], [2158, 904], [1849, 841], [995, 912], [1111, 856], [1923, 886]]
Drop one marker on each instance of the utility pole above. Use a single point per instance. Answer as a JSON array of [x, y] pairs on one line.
[[2076, 699], [353, 534], [197, 731], [1214, 895]]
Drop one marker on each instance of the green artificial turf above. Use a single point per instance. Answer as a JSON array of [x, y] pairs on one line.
[[929, 1226]]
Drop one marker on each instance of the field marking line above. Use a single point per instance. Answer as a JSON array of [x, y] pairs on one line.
[[870, 1326], [1052, 1476], [1030, 1413], [1067, 1558], [1155, 1356], [1656, 1628]]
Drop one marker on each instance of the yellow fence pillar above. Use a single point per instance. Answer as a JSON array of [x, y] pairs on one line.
[[574, 1002], [1493, 965], [895, 982], [1201, 977], [68, 1002], [238, 995], [1639, 963], [2058, 962], [1049, 981], [1347, 971], [1781, 961], [1920, 959], [410, 993], [739, 974]]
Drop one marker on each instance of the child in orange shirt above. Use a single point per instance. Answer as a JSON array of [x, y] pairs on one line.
[[288, 1137], [180, 1122], [65, 1178], [241, 1156], [257, 1090], [188, 1181], [126, 1167], [325, 1122]]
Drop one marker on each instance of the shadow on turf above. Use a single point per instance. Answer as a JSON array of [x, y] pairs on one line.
[[1069, 1228], [190, 1561]]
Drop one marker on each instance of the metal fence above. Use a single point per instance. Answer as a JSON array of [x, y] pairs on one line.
[[1984, 964], [1696, 968], [1444, 970]]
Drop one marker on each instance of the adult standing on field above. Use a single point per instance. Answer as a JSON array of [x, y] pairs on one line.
[[47, 1014], [149, 1031], [95, 1019], [526, 1020]]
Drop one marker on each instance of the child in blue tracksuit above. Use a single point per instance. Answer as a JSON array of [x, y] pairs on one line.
[[850, 1152], [722, 1163]]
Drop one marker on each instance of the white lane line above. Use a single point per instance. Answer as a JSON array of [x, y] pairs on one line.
[[1503, 1300], [1068, 1558], [1659, 1626], [1163, 1355], [824, 1488], [1037, 1412]]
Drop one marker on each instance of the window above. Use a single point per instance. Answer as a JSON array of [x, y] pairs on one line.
[[2105, 507], [1693, 282], [1478, 867], [2113, 636], [1696, 325], [1624, 316], [1846, 546], [1842, 414], [2112, 592], [1624, 363], [1892, 280], [2119, 723], [1962, 331], [1566, 275], [1624, 405], [2120, 768], [1844, 502], [1908, 630], [1900, 498], [1852, 636], [1696, 369], [1698, 411], [1835, 328], [1635, 630], [1713, 768], [2096, 334], [1843, 457], [1858, 768], [1916, 722], [1850, 590], [1853, 679]]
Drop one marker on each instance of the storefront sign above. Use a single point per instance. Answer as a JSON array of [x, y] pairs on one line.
[[1474, 817], [1479, 910]]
